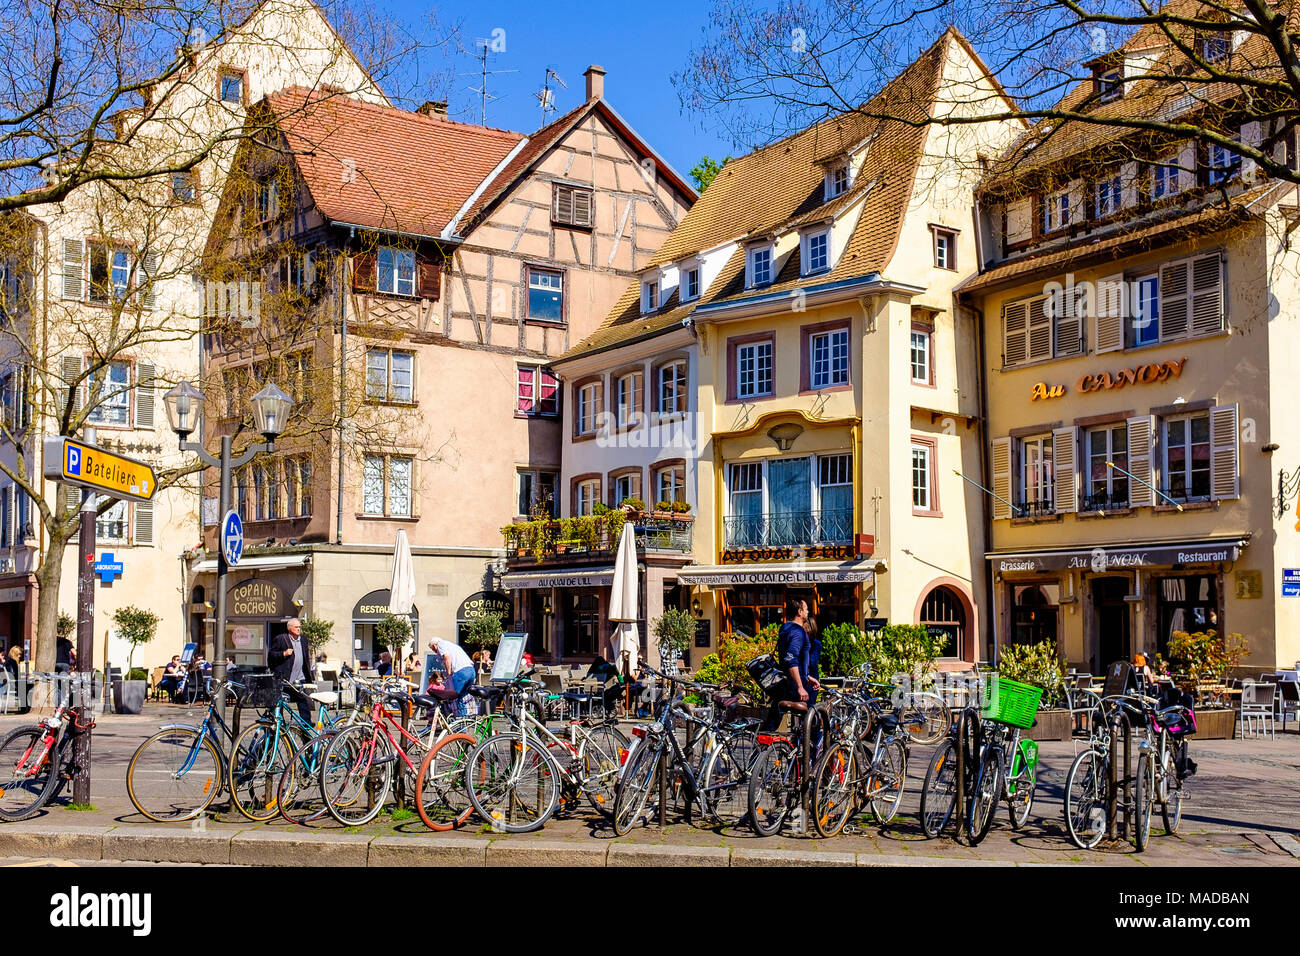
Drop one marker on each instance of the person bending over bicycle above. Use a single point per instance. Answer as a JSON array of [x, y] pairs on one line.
[[794, 653]]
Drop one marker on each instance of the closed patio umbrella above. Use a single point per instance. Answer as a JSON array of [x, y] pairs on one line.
[[623, 605], [401, 593]]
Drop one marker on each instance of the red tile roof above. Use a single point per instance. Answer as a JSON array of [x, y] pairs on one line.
[[386, 168]]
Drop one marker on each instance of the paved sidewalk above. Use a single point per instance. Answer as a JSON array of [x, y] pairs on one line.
[[1241, 810]]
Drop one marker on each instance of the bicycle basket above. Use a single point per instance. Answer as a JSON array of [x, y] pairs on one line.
[[1011, 702], [260, 691]]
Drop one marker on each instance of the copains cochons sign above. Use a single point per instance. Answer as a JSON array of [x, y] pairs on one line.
[[1149, 374]]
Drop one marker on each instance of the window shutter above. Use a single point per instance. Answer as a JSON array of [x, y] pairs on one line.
[[74, 269], [143, 523], [563, 211], [1224, 481], [363, 272], [1069, 323], [582, 203], [1020, 221], [1040, 329], [1207, 295], [72, 372], [144, 385], [1108, 335], [1015, 348], [1129, 184], [1064, 442], [145, 280], [1174, 303], [1140, 442], [71, 497], [430, 279], [1001, 478]]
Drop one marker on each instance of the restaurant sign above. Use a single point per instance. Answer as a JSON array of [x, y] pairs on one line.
[[1149, 374], [724, 577], [830, 552], [1101, 560], [373, 607], [257, 597], [484, 603]]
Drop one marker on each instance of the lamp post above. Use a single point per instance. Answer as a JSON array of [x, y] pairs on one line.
[[184, 411]]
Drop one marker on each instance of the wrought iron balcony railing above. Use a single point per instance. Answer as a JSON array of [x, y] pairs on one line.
[[788, 529]]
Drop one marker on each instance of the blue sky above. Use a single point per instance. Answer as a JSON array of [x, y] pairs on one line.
[[639, 46]]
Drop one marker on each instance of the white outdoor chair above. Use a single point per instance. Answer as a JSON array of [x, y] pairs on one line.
[[1257, 706]]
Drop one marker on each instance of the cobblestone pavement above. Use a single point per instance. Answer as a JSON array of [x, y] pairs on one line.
[[1242, 809]]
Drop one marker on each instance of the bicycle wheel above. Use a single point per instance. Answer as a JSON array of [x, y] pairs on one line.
[[259, 756], [28, 771], [298, 794], [939, 793], [1171, 808], [440, 795], [932, 712], [885, 782], [772, 782], [1143, 792], [635, 785], [356, 774], [174, 775], [988, 791], [724, 786], [834, 789], [1020, 786], [512, 782], [1085, 800], [599, 760]]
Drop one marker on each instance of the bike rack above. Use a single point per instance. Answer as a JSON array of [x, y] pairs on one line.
[[1120, 724], [970, 740]]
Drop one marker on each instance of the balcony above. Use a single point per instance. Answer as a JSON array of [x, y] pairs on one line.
[[1035, 508], [788, 529], [1103, 501], [595, 536]]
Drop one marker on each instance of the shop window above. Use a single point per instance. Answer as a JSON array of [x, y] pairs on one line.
[[1188, 604], [750, 609], [582, 635], [1034, 612]]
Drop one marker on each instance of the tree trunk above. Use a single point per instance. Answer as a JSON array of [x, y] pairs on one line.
[[48, 577]]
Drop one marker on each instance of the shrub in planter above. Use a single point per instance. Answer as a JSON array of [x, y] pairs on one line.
[[633, 504], [484, 631], [735, 651], [136, 626], [316, 632], [1205, 655], [137, 673], [664, 506], [673, 631], [902, 649], [1036, 664], [844, 650]]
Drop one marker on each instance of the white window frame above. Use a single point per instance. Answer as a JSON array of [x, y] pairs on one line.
[[768, 252], [926, 339], [927, 467], [1112, 190], [761, 469], [628, 414], [539, 272], [585, 408], [676, 373], [837, 181], [806, 254], [627, 485], [386, 477], [1165, 469], [1045, 472], [945, 240], [1110, 85], [1139, 296], [118, 401], [588, 496], [676, 488], [649, 295], [400, 261], [1094, 485], [1219, 160], [390, 388], [538, 409], [117, 517], [831, 376], [1166, 177], [687, 271], [1055, 211], [757, 349]]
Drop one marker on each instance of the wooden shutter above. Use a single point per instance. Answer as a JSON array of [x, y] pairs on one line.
[[1175, 303], [144, 394], [582, 207], [71, 496], [1020, 221], [1129, 185], [143, 523], [363, 272], [74, 269], [1040, 328], [1207, 295], [1224, 481], [1001, 478], [71, 365], [1015, 347], [430, 279], [1064, 442], [562, 200], [1140, 444], [1107, 307], [1069, 321], [145, 279]]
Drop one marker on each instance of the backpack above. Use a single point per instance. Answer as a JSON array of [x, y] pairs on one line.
[[768, 675]]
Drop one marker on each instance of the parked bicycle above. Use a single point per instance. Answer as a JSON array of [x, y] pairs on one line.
[[36, 761]]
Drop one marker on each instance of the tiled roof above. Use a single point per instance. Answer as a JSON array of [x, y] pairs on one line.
[[1173, 228], [386, 168], [780, 187]]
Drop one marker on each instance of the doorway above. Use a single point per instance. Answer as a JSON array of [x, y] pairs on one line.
[[1111, 621]]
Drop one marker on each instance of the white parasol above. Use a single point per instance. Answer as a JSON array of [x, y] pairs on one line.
[[623, 603], [401, 593]]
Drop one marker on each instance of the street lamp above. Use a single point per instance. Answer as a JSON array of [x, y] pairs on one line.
[[184, 405]]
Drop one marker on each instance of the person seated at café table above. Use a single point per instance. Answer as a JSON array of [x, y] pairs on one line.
[[385, 664], [171, 679]]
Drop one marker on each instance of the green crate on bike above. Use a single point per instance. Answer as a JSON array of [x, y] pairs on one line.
[[1011, 702]]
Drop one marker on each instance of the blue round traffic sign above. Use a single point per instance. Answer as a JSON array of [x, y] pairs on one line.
[[232, 537]]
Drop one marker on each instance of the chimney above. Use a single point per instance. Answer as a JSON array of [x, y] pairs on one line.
[[433, 108], [595, 82]]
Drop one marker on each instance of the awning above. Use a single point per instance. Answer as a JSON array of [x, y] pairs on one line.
[[808, 572], [209, 565], [1109, 558], [577, 578]]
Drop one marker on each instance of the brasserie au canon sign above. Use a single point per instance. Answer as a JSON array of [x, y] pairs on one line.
[[1148, 374]]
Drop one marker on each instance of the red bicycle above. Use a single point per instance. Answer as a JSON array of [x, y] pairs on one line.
[[36, 762]]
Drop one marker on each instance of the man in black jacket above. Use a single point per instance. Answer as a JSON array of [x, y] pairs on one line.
[[290, 661]]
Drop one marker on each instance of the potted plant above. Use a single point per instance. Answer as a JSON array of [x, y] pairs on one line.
[[632, 506], [1207, 659], [681, 510], [483, 632], [663, 509], [673, 630], [136, 626], [1040, 665], [393, 632], [316, 632]]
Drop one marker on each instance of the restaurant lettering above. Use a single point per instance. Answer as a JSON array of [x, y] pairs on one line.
[[832, 552], [1042, 390], [1149, 374], [256, 598], [485, 603], [1100, 559]]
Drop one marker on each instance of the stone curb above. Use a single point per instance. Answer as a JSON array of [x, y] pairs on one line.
[[167, 845], [45, 840], [633, 854], [529, 852], [275, 848], [876, 859], [747, 856], [427, 851]]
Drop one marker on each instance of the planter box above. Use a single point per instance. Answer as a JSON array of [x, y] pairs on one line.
[[128, 696], [1217, 724], [1053, 724]]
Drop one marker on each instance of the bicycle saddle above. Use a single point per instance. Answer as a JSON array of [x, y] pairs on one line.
[[423, 700], [793, 705], [326, 697], [486, 693], [888, 722]]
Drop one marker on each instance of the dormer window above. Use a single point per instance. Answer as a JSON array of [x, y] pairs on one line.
[[837, 180], [760, 266], [1215, 46], [1222, 164], [816, 251], [650, 295], [1107, 196], [1055, 211], [1110, 85], [690, 282], [1166, 177]]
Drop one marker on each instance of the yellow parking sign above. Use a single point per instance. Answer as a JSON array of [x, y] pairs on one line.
[[88, 466]]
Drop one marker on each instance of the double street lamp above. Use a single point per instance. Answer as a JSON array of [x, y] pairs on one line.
[[184, 412]]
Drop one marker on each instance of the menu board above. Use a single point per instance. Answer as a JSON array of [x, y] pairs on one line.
[[509, 653]]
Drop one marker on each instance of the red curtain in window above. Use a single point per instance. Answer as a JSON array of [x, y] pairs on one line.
[[550, 394], [525, 391]]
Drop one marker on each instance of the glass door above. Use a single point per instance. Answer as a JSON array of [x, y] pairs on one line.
[[789, 502]]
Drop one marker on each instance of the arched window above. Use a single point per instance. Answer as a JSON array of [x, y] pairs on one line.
[[944, 612]]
